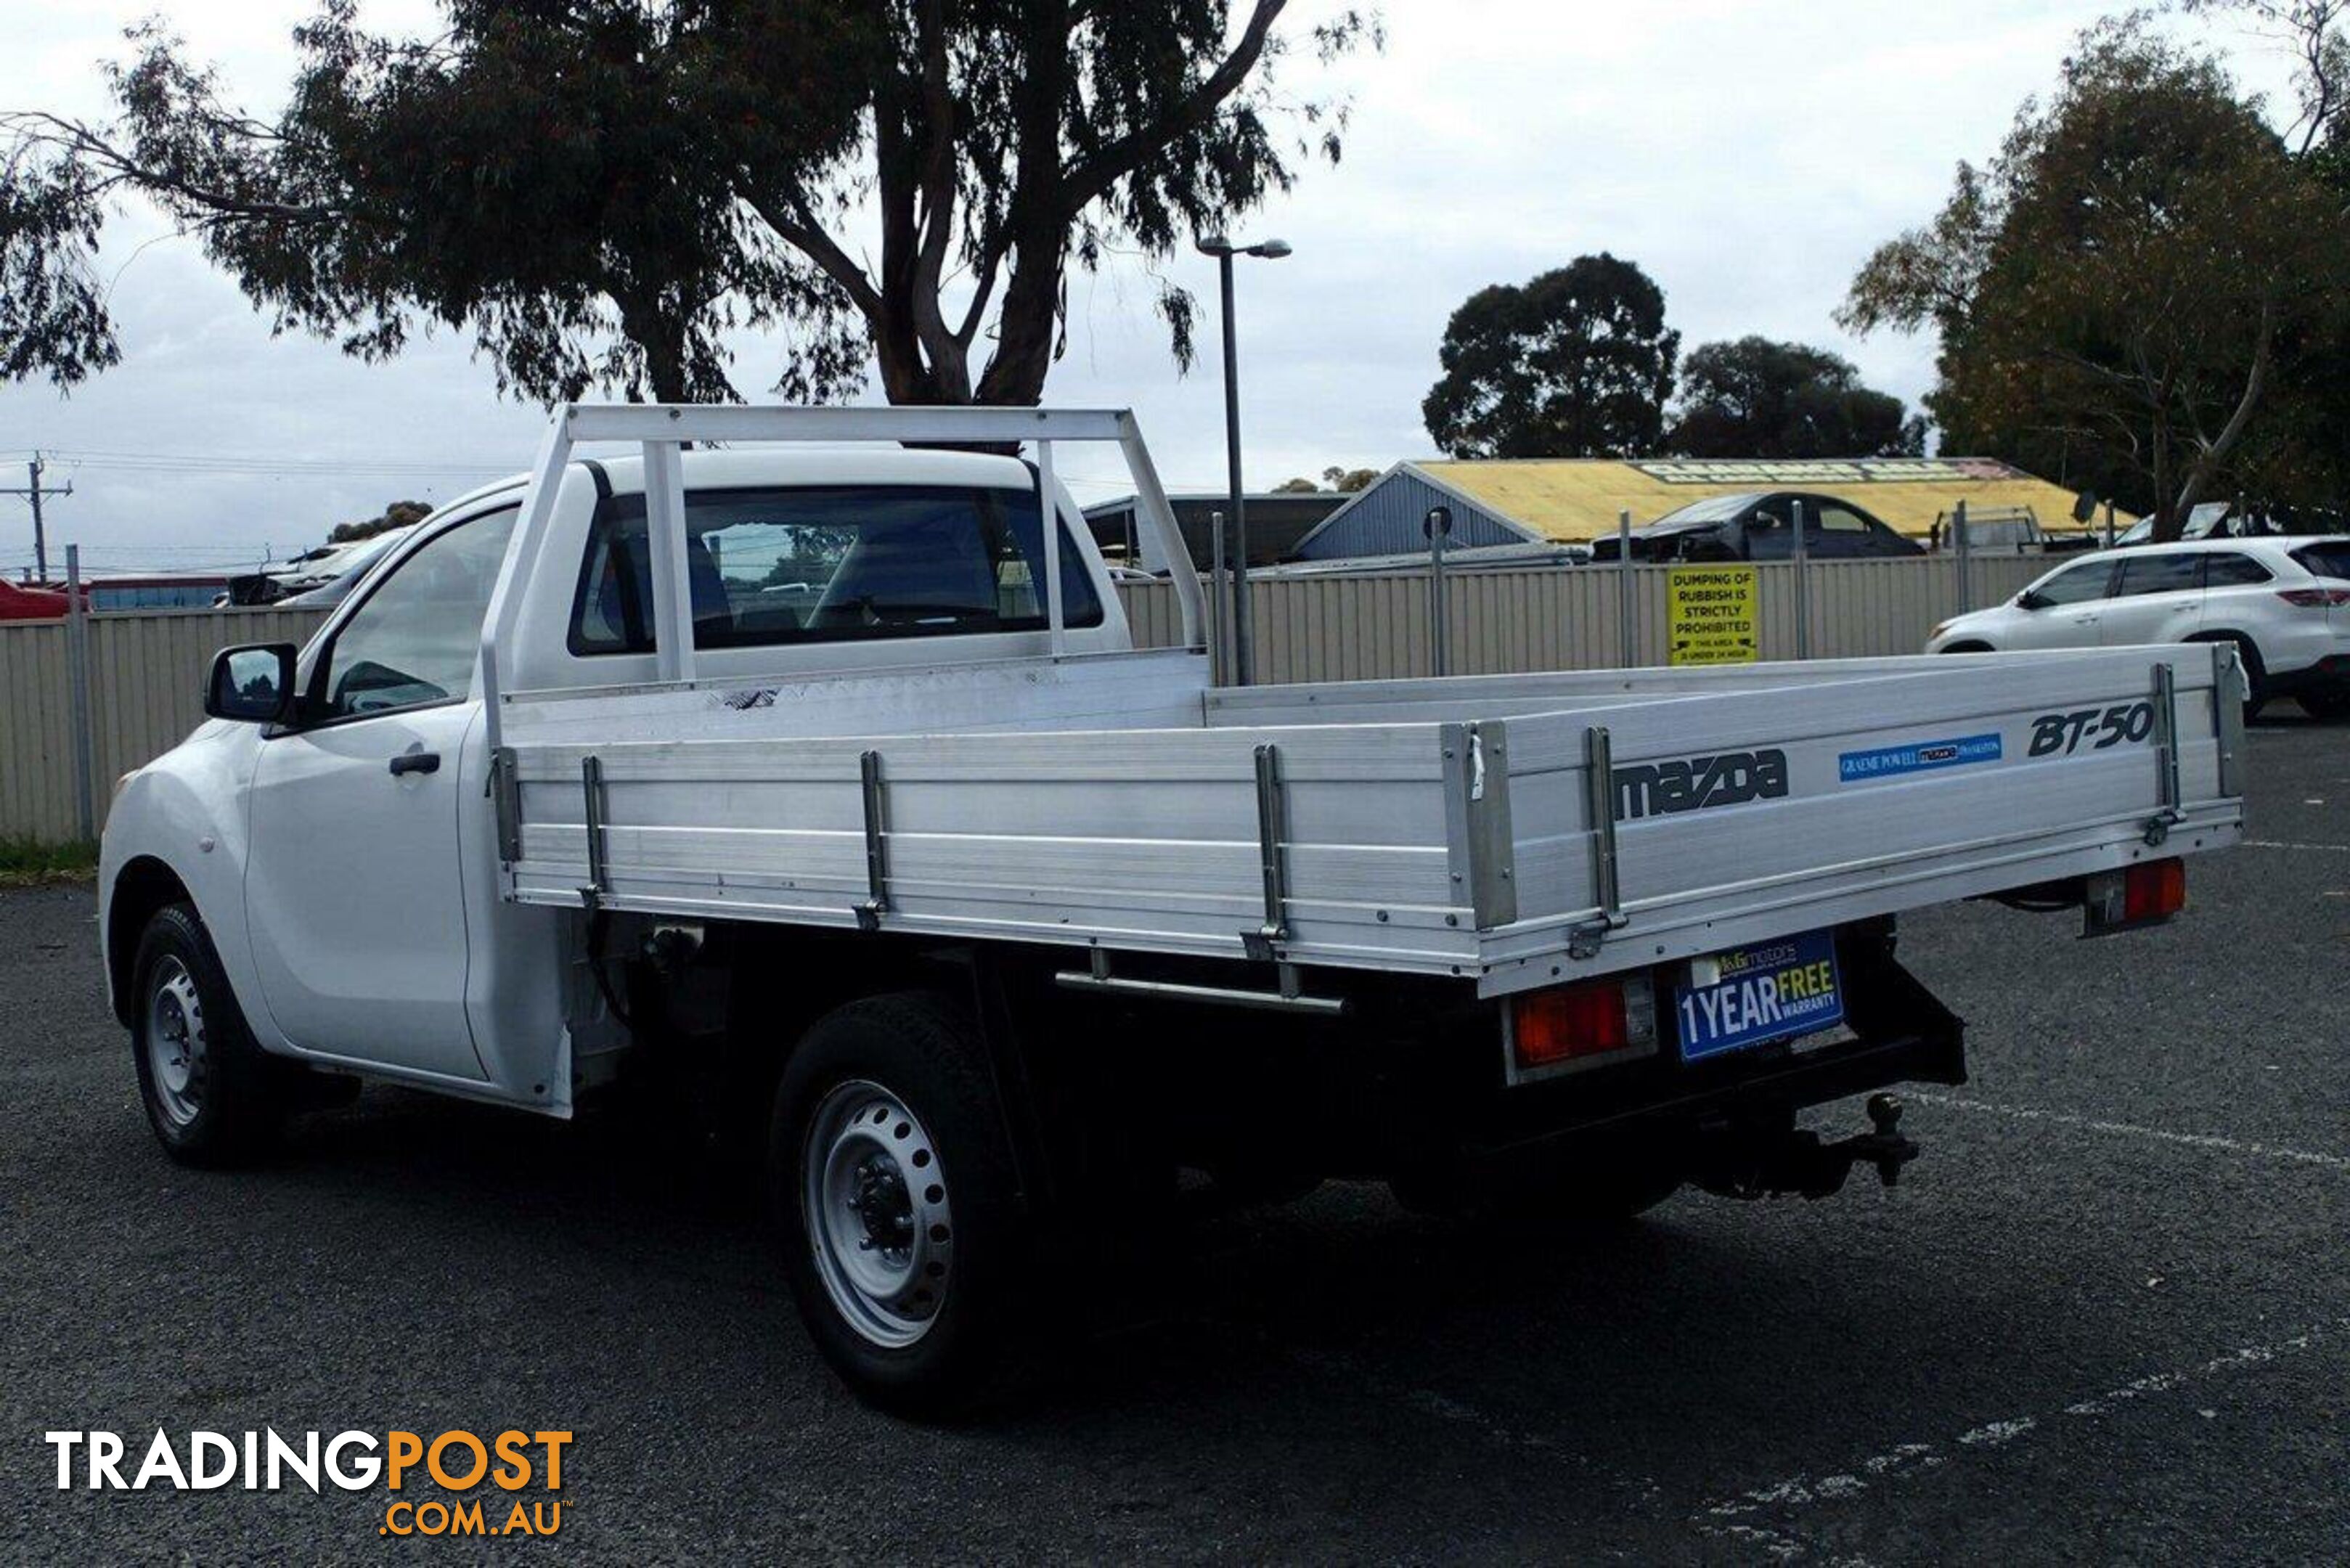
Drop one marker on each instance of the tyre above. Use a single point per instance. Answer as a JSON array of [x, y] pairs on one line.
[[2330, 705], [896, 1200], [1968, 647], [1583, 1196], [208, 1089]]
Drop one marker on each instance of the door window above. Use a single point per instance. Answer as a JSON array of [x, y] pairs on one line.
[[2076, 584], [2142, 575], [2327, 560], [413, 641], [2226, 569], [1834, 529], [832, 565]]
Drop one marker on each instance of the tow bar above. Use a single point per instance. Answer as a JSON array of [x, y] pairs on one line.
[[1750, 1162]]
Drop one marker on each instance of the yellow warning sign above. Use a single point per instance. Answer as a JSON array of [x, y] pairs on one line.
[[1712, 616]]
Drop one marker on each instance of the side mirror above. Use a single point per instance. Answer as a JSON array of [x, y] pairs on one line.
[[2029, 601], [253, 684]]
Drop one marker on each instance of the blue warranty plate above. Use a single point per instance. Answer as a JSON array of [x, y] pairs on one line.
[[1749, 995]]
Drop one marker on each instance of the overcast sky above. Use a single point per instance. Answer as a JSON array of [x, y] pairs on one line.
[[1748, 155]]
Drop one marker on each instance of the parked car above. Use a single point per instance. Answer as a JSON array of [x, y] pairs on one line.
[[31, 603], [1756, 525], [2010, 530], [349, 568], [2227, 520], [2285, 603], [339, 566]]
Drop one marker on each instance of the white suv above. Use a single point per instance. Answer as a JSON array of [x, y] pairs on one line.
[[2285, 603]]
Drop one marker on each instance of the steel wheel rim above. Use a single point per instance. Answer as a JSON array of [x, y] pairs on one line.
[[874, 1200], [178, 1049]]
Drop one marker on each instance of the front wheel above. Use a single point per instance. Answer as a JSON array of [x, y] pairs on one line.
[[207, 1089], [896, 1200]]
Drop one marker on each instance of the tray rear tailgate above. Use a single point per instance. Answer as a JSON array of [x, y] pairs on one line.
[[1749, 815]]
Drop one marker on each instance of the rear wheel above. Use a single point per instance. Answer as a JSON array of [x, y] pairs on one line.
[[1968, 647], [208, 1089], [896, 1199], [2256, 674]]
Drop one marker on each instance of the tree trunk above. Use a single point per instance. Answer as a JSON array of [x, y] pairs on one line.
[[660, 335], [1025, 331], [2207, 463], [907, 375], [2168, 522]]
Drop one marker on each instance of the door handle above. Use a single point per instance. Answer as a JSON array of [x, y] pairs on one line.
[[416, 763]]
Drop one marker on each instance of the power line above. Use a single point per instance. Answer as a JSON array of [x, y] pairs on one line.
[[243, 464], [32, 490], [230, 548], [275, 471]]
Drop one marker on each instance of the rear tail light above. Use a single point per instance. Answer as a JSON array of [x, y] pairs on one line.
[[2314, 598], [2154, 889], [2145, 894], [1552, 1030]]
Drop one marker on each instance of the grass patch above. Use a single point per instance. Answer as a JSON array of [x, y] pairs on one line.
[[31, 862]]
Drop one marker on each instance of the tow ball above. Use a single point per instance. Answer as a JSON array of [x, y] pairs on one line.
[[1752, 1162], [1882, 1146]]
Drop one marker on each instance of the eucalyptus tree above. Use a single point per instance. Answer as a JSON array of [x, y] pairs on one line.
[[601, 191]]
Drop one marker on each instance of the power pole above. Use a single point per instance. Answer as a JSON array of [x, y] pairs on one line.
[[33, 491]]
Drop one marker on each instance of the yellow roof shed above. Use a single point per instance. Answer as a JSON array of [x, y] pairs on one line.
[[1576, 499]]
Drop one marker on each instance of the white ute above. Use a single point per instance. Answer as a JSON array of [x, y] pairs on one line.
[[808, 770]]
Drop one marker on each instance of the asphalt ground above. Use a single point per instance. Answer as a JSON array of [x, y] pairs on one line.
[[2105, 1316]]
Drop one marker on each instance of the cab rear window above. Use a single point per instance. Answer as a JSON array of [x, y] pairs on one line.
[[776, 567]]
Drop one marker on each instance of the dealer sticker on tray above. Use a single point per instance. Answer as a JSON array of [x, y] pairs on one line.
[[1749, 995]]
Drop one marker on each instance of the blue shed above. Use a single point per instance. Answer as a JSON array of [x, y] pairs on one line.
[[1386, 518]]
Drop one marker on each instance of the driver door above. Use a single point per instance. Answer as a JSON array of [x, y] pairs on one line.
[[2073, 603], [353, 889]]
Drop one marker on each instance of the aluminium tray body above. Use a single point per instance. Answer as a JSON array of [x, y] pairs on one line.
[[1514, 830]]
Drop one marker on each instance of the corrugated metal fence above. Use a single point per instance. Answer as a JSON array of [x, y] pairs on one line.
[[1377, 626], [147, 668], [145, 678]]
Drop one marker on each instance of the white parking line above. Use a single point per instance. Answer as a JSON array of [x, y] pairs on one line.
[[2275, 844], [2211, 1141], [1764, 1519], [1351, 1371]]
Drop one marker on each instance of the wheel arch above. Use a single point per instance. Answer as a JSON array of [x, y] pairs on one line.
[[144, 884], [997, 992], [2255, 662]]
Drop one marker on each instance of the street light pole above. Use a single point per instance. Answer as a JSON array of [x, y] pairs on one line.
[[1223, 250]]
